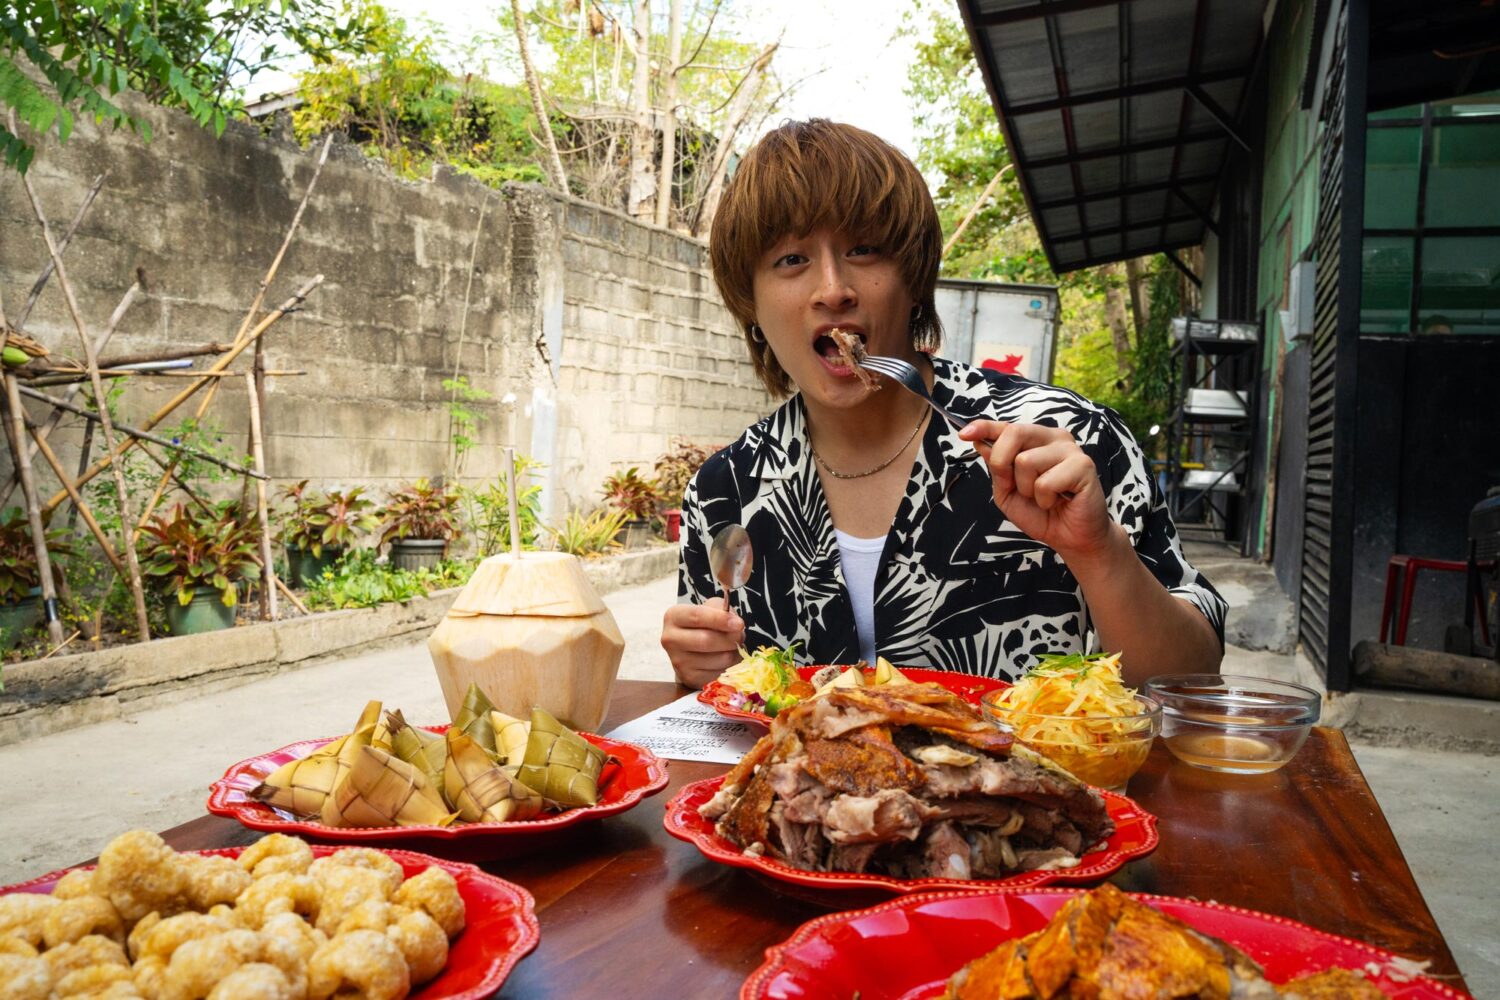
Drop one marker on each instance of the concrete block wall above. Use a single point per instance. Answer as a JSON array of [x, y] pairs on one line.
[[608, 334]]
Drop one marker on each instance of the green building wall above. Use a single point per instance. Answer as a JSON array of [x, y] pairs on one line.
[[1289, 204]]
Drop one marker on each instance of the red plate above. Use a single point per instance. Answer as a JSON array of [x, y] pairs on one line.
[[500, 925], [970, 687], [1134, 837], [906, 949], [639, 774]]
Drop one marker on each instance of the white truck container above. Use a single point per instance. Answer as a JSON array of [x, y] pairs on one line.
[[991, 324]]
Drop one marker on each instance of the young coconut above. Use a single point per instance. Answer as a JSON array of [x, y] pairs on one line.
[[560, 764], [480, 789]]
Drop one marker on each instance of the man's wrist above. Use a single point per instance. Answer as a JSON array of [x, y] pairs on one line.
[[1099, 560]]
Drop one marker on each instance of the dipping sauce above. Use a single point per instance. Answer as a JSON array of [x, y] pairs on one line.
[[1228, 752]]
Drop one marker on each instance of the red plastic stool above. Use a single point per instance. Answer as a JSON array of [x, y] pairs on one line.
[[1405, 568]]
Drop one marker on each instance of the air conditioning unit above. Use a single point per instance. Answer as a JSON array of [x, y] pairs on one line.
[[1301, 294]]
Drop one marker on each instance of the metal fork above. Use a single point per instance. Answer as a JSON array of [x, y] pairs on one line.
[[908, 377]]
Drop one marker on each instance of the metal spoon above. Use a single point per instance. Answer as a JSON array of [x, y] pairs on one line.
[[731, 559]]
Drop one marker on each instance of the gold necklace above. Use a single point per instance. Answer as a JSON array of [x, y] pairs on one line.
[[921, 419]]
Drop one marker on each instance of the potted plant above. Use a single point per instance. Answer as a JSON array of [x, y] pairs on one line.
[[419, 523], [20, 582], [636, 497], [319, 527], [674, 469], [198, 558]]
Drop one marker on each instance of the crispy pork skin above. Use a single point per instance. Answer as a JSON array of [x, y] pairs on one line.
[[1106, 946]]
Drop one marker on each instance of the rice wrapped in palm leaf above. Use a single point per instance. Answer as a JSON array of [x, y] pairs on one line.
[[301, 786], [510, 737], [381, 790], [418, 747], [480, 789], [560, 764], [473, 720]]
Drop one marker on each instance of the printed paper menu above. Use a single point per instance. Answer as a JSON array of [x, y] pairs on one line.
[[687, 729]]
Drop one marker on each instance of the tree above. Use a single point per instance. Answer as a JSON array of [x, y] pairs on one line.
[[674, 67], [642, 134], [62, 60], [627, 144], [959, 141], [534, 88]]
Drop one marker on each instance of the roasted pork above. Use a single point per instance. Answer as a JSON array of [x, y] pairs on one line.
[[907, 780]]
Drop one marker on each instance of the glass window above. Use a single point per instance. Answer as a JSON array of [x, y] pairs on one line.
[[1393, 157], [1468, 106], [1385, 304], [1463, 175], [1460, 284]]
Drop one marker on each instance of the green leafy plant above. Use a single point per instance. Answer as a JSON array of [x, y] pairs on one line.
[[420, 510], [589, 534], [19, 573], [487, 510], [464, 417], [334, 520], [357, 580], [397, 101], [192, 548], [676, 466], [632, 494], [195, 55]]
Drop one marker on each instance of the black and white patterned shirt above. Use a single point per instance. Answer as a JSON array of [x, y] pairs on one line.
[[959, 586]]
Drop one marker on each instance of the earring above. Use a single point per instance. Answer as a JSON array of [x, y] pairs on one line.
[[924, 337], [757, 334]]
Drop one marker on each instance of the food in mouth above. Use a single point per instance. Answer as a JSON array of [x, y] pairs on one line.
[[1106, 945], [905, 780], [851, 351]]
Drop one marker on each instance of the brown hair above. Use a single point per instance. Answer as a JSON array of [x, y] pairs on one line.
[[815, 174]]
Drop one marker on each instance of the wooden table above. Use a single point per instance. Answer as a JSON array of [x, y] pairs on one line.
[[627, 911]]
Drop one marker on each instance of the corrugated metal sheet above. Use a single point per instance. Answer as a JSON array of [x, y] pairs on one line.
[[1317, 557], [1112, 112]]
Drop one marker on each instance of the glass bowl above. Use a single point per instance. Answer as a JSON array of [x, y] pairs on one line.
[[1227, 722], [1099, 750]]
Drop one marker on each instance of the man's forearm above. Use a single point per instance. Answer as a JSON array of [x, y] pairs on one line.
[[1154, 631]]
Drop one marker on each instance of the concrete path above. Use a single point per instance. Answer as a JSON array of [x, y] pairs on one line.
[[65, 795]]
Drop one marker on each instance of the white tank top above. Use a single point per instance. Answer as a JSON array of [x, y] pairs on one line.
[[861, 558]]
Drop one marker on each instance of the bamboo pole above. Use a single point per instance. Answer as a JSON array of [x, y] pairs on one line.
[[510, 487], [41, 281], [166, 354], [257, 455], [167, 408], [74, 376], [85, 449], [204, 505], [59, 646], [78, 504], [134, 432], [241, 336], [106, 426], [15, 435], [55, 417], [265, 283]]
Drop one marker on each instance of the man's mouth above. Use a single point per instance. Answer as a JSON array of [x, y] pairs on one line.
[[826, 346]]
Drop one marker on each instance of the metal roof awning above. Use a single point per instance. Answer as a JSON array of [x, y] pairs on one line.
[[1118, 114]]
